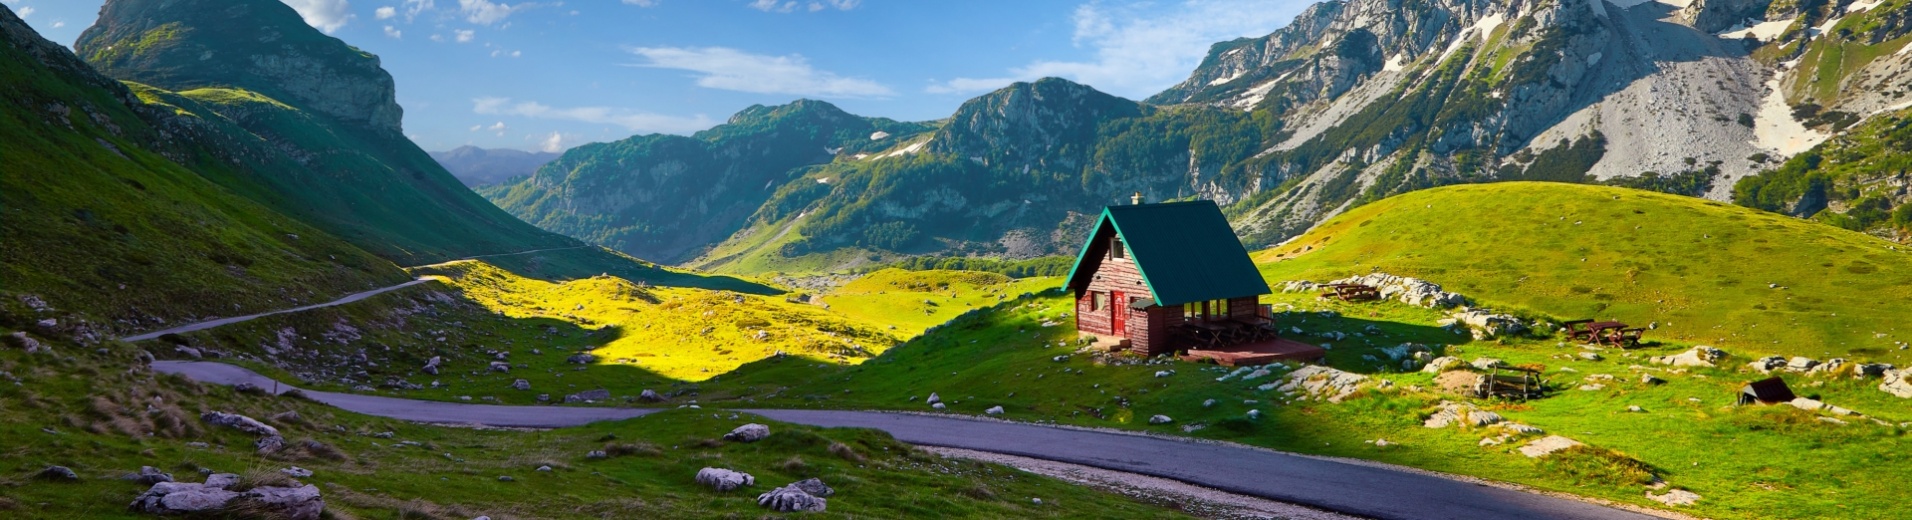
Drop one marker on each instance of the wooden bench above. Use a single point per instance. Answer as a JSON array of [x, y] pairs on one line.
[[1577, 330], [1623, 338]]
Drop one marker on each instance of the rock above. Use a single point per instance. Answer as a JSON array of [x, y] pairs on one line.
[[1677, 497], [500, 366], [1451, 413], [506, 478], [596, 454], [1321, 381], [1488, 363], [296, 472], [937, 406], [1651, 380], [239, 422], [1441, 364], [993, 410], [1700, 356], [933, 398], [582, 359], [521, 384], [221, 480], [58, 473], [1898, 382], [189, 352], [1636, 409], [1160, 419], [1590, 356], [1801, 364], [724, 479], [1209, 403], [791, 499], [23, 342], [269, 444], [173, 498], [650, 396], [1831, 366], [1870, 370], [1487, 325], [1547, 445], [546, 469], [752, 432], [1767, 364], [814, 487], [589, 395], [1412, 291], [1164, 373], [149, 475], [1254, 414]]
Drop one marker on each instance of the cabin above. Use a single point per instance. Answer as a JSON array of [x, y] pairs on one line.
[[1171, 278]]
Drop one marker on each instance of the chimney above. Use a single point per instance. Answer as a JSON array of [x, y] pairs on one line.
[[1136, 199]]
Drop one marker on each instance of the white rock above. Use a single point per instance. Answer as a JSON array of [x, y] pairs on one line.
[[1547, 445], [1677, 497], [994, 410], [723, 479], [752, 432], [1160, 419], [1700, 356]]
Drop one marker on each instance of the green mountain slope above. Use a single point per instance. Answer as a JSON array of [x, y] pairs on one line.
[[271, 108], [96, 223], [1705, 272], [1858, 180], [666, 197]]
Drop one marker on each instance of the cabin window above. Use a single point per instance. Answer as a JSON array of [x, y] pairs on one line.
[[1099, 301], [1116, 250], [1211, 310]]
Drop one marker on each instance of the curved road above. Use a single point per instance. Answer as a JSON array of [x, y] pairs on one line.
[[182, 329], [1363, 490]]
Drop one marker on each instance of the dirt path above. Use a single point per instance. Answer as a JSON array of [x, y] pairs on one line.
[[1369, 489], [236, 319]]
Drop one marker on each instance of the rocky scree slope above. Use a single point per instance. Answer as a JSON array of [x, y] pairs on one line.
[[302, 121]]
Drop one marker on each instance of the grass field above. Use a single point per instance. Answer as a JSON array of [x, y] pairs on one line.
[[913, 301], [104, 416], [1705, 272]]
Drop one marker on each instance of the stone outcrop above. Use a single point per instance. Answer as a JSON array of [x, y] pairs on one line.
[[1547, 446], [791, 498], [752, 432], [1898, 382], [1700, 356], [301, 502], [1319, 381], [723, 479], [1411, 291]]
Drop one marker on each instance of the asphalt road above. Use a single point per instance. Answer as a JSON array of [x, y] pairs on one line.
[[1364, 490], [236, 319]]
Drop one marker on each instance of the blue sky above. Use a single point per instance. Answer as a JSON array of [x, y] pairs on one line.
[[555, 74]]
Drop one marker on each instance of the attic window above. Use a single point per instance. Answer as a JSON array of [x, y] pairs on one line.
[[1116, 250]]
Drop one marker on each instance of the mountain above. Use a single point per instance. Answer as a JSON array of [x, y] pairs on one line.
[[101, 220], [270, 108], [476, 166], [666, 197], [1355, 101]]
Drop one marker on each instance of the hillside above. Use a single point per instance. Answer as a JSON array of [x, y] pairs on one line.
[[1700, 271], [1857, 180], [476, 166], [267, 107], [98, 224]]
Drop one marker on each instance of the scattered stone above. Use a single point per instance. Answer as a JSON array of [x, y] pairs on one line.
[[431, 366], [1547, 445], [1649, 379], [1700, 356], [1160, 419], [1767, 364], [1677, 497], [815, 487], [1164, 373], [1254, 414], [1320, 381], [521, 385], [589, 395], [1451, 413], [752, 432], [1590, 356], [938, 406], [1870, 370], [546, 469], [1898, 382], [149, 475], [239, 422], [58, 473], [500, 366], [1487, 325], [724, 479], [582, 359], [994, 410], [506, 478], [1801, 364], [1487, 363], [650, 396], [176, 498], [1412, 291], [1636, 409], [791, 499], [296, 472], [933, 398], [1209, 403], [596, 454]]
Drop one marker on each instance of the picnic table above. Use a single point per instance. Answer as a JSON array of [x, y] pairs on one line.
[[1613, 333], [1351, 292]]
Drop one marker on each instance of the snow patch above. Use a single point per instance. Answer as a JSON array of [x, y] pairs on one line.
[[1774, 127], [1482, 28], [1677, 3], [1394, 63], [912, 148], [1627, 4], [1860, 7], [1763, 31], [878, 135], [823, 180], [1824, 27], [1254, 95], [1228, 78]]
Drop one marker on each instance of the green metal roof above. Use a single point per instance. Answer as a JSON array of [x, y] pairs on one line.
[[1185, 250]]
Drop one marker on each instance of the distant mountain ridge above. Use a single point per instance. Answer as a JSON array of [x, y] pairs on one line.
[[476, 166], [1355, 101]]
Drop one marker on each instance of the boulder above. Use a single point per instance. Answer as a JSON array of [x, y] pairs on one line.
[[752, 432], [1412, 291], [1547, 445], [814, 487], [1441, 364], [521, 385], [296, 472], [1487, 325], [1801, 364], [1160, 419], [221, 480], [582, 358], [1320, 381], [650, 396], [1870, 370], [1898, 382], [994, 410], [1767, 364], [791, 499], [1831, 366], [588, 395], [933, 398], [1700, 356], [1487, 363], [149, 475], [938, 406], [500, 366], [292, 503], [239, 422], [58, 473], [723, 479], [1451, 413]]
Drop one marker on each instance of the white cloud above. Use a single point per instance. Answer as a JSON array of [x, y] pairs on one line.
[[1140, 50], [385, 13], [628, 119], [554, 143], [394, 32], [24, 12], [639, 3], [413, 8], [498, 126], [466, 35], [785, 6], [731, 69], [438, 37], [484, 12], [326, 15], [57, 25]]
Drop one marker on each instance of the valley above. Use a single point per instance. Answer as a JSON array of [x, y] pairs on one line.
[[235, 286]]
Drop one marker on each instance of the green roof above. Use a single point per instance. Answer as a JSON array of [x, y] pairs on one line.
[[1186, 252]]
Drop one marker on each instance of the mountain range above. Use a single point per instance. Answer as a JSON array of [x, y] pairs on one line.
[[476, 166], [1354, 101]]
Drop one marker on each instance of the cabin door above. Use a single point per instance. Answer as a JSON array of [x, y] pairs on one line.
[[1119, 305]]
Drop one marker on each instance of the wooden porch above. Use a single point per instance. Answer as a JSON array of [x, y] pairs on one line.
[[1260, 352]]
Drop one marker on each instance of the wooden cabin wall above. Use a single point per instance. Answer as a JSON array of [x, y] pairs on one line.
[[1152, 330], [1244, 307], [1091, 321]]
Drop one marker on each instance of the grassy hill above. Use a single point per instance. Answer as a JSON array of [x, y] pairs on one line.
[[1704, 272]]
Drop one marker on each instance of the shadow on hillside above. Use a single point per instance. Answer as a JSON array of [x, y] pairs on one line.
[[1362, 345], [571, 264]]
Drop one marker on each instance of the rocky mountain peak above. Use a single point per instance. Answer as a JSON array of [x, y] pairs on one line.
[[1028, 119], [257, 45]]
